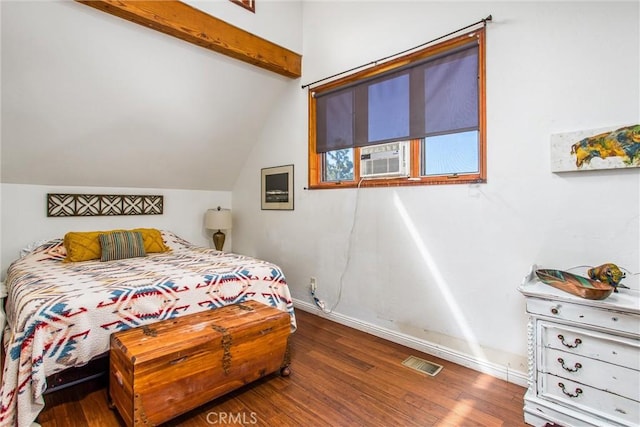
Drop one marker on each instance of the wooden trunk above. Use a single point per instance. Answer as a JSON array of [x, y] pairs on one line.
[[164, 369]]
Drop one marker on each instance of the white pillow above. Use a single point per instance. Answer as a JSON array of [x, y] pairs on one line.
[[31, 246]]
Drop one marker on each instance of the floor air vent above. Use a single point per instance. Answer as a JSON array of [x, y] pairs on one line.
[[422, 365]]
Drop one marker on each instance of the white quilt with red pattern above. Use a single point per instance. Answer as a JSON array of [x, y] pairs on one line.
[[61, 315]]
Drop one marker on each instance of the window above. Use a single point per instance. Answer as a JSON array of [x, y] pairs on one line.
[[418, 119]]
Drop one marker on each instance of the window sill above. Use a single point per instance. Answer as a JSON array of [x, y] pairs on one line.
[[399, 182]]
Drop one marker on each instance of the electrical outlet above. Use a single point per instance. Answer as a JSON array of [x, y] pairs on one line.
[[312, 284]]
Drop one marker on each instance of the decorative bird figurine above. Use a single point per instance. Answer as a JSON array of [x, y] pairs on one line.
[[608, 273]]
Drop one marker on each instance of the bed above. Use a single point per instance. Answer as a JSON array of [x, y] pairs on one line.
[[61, 314]]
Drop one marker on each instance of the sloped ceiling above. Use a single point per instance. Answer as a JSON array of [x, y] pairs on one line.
[[91, 99]]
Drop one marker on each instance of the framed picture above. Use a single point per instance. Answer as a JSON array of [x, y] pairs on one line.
[[604, 148], [247, 4], [277, 188]]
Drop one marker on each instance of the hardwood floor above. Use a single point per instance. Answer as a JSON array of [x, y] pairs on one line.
[[340, 377]]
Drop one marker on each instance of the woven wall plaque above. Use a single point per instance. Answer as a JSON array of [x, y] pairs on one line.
[[61, 205]]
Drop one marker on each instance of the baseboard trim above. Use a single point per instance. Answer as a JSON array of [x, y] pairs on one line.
[[498, 371]]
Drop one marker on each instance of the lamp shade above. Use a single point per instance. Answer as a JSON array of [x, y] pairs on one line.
[[218, 219]]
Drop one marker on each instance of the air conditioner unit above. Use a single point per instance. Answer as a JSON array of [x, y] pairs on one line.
[[385, 160]]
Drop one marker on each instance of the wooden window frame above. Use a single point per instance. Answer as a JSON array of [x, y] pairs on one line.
[[315, 159]]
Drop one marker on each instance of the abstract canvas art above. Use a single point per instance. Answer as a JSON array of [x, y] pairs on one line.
[[606, 148]]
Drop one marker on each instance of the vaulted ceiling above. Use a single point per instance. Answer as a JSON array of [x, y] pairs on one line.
[[91, 99]]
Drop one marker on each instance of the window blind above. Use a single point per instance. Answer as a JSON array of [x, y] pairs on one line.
[[433, 97]]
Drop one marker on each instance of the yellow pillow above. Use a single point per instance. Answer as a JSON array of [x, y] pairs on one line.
[[85, 245], [152, 240], [82, 245]]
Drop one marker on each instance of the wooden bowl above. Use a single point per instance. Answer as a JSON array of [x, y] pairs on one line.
[[574, 284]]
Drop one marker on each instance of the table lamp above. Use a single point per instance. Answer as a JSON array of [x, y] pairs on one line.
[[218, 219]]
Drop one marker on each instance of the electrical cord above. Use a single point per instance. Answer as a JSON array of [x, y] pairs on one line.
[[319, 303]]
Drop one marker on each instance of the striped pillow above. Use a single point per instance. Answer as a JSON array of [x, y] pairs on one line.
[[121, 245]]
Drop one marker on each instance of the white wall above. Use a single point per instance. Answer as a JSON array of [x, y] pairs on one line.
[[441, 264], [92, 99], [24, 215]]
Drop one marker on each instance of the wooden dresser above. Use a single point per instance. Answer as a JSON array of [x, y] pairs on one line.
[[584, 357]]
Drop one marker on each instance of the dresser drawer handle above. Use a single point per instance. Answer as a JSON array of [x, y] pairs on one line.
[[576, 343], [574, 369], [554, 310], [577, 392]]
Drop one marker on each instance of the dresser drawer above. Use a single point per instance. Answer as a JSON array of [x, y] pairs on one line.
[[601, 403], [595, 373], [584, 358], [579, 314], [595, 345]]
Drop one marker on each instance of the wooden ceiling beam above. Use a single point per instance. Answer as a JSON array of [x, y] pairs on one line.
[[194, 26]]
